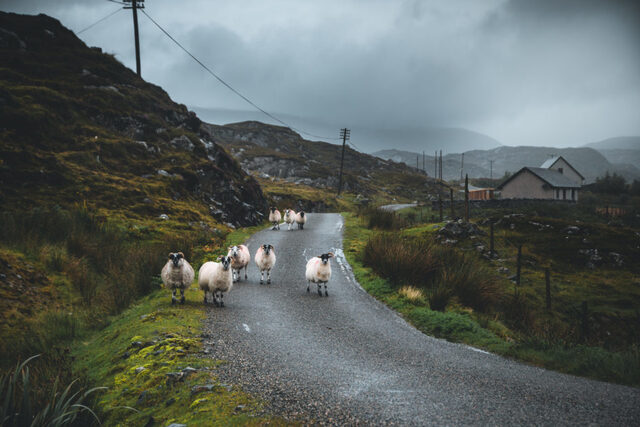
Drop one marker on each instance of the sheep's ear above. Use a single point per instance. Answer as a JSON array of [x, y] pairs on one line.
[[180, 254], [330, 254], [220, 257], [170, 255], [271, 246]]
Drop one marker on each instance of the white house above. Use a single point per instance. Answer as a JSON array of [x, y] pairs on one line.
[[556, 179]]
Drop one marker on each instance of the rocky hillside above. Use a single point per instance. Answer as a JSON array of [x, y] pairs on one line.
[[277, 152], [588, 161], [76, 126]]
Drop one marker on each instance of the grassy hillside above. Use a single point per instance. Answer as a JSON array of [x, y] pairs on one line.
[[269, 151], [78, 126]]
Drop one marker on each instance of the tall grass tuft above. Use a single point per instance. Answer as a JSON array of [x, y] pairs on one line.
[[469, 279], [60, 407], [382, 219]]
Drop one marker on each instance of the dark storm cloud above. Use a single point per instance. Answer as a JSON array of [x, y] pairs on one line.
[[525, 72]]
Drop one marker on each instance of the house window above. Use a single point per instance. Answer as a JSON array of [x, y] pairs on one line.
[[564, 194], [573, 194], [557, 193], [560, 170]]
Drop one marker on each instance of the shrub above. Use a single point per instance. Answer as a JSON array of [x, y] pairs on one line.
[[442, 272], [382, 219], [402, 261]]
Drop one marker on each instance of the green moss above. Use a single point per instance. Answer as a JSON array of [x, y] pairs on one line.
[[140, 356]]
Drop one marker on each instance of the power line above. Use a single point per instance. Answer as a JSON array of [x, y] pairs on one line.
[[99, 21], [231, 88]]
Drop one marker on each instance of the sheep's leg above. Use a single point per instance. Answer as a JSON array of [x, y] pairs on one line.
[[268, 276], [235, 275], [181, 295], [221, 299], [308, 284], [261, 277], [326, 294], [319, 288], [245, 271], [205, 298], [173, 297], [215, 299]]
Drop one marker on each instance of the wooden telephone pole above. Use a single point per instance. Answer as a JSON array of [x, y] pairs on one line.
[[345, 134], [135, 5]]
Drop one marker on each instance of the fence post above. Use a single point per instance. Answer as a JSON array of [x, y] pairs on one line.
[[451, 203], [518, 264], [440, 205], [466, 198], [547, 279]]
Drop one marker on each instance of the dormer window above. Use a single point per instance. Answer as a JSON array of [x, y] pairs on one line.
[[560, 170]]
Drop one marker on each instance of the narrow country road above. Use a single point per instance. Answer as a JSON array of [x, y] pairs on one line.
[[347, 359]]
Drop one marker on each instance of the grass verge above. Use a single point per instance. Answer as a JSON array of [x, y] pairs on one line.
[[152, 360], [463, 325]]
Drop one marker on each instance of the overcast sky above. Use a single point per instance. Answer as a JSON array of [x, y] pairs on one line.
[[543, 72]]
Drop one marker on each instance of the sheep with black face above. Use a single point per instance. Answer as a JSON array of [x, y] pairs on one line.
[[215, 278], [319, 272], [176, 274], [301, 220], [265, 260]]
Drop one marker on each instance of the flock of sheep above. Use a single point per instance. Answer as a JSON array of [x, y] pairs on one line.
[[216, 278]]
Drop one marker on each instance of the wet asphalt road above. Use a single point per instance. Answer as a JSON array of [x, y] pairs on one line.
[[347, 359]]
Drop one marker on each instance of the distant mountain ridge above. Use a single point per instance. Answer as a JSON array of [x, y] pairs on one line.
[[477, 163], [617, 143], [367, 138]]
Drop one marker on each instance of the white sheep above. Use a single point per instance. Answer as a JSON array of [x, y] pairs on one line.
[[274, 218], [215, 278], [289, 217], [265, 260], [301, 220], [240, 258], [319, 272], [176, 274]]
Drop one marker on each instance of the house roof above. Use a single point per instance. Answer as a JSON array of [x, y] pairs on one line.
[[552, 161], [550, 176]]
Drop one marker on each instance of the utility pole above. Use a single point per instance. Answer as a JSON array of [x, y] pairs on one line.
[[461, 166], [440, 164], [491, 170], [135, 5], [418, 161], [424, 166], [345, 134], [435, 171]]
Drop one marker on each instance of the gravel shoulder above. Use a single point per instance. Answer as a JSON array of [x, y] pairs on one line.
[[348, 359]]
